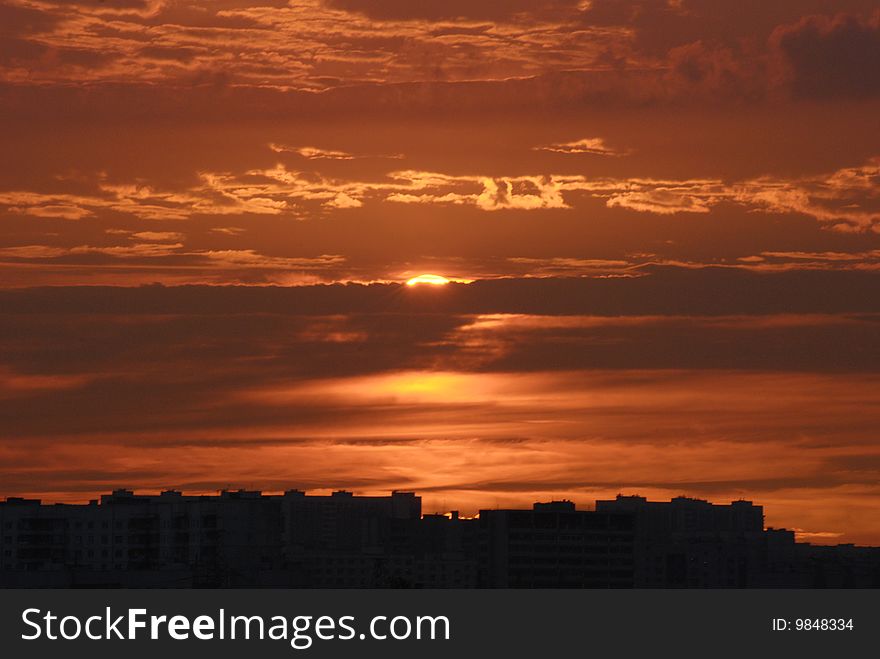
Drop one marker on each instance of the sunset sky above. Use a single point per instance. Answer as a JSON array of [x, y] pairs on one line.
[[659, 220]]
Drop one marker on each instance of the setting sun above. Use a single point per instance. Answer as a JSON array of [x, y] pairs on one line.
[[433, 280]]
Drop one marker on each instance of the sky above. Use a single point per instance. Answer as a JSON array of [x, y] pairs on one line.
[[660, 220]]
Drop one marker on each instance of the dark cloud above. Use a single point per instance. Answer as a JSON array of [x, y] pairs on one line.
[[155, 360], [693, 487], [657, 290], [19, 52], [16, 24], [489, 10], [717, 69], [176, 53], [832, 57], [736, 344], [208, 95], [456, 56], [17, 21], [664, 24], [726, 48]]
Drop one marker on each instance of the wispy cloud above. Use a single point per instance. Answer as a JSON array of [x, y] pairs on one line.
[[173, 263], [590, 145], [847, 199], [315, 153]]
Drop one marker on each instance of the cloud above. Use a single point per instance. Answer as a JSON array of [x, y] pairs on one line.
[[171, 263], [776, 261], [482, 10], [148, 236], [228, 231], [14, 384], [640, 265], [309, 45], [142, 8], [833, 257], [315, 153], [847, 199], [660, 201], [32, 252], [140, 250], [159, 236], [710, 69], [312, 152], [342, 200], [253, 259], [21, 20], [523, 193], [404, 186], [843, 200], [832, 57], [440, 55], [693, 289], [463, 408], [63, 206], [560, 266], [591, 145]]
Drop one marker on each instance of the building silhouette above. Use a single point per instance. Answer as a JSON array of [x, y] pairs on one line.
[[243, 538], [555, 546], [691, 543]]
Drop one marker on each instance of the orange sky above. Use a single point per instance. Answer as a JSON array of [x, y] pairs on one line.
[[669, 210]]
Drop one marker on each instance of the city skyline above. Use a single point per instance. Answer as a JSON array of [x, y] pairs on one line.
[[622, 501], [342, 540]]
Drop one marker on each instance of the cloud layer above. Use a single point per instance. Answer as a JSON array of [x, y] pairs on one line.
[[172, 387]]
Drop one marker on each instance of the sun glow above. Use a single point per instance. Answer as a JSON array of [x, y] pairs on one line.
[[433, 280]]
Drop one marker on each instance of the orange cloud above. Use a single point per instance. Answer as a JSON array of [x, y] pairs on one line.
[[316, 153], [307, 45], [844, 200], [590, 145]]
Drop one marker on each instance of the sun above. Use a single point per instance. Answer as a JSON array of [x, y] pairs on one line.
[[433, 280]]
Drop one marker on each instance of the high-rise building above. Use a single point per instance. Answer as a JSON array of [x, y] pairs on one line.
[[554, 545], [245, 538]]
